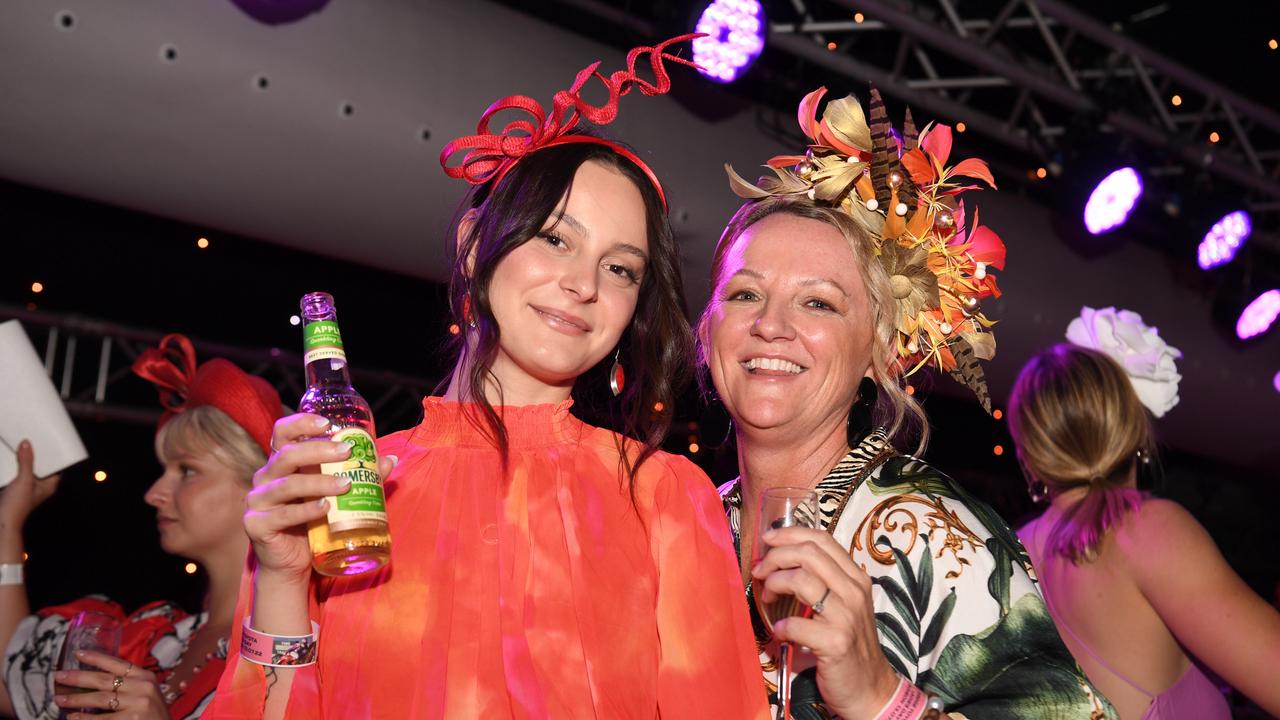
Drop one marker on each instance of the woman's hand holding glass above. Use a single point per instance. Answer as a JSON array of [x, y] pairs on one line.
[[853, 676], [116, 686]]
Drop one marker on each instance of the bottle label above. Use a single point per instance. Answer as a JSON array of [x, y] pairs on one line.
[[322, 341], [364, 505]]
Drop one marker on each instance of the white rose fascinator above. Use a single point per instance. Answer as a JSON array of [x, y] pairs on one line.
[[1147, 359]]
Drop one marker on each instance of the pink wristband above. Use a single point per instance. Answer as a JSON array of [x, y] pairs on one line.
[[279, 650], [908, 703]]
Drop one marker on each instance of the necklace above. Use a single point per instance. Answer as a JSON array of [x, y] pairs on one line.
[[171, 694]]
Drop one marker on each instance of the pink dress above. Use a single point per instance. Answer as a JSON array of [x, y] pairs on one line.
[[1192, 697]]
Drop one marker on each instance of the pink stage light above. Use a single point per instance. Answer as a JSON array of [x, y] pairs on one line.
[[1224, 239], [735, 30], [1258, 317], [1112, 201], [1275, 382]]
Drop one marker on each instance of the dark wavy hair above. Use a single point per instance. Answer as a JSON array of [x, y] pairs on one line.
[[657, 346]]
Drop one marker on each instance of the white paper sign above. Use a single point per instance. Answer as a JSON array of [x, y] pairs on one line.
[[30, 408]]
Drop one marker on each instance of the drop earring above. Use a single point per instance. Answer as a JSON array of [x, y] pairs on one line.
[[617, 376], [467, 317]]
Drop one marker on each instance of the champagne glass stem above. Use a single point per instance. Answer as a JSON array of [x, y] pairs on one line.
[[784, 679]]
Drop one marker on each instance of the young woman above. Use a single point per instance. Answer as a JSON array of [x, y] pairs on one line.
[[541, 567], [213, 436], [1135, 583]]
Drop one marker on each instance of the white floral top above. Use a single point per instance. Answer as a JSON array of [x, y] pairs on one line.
[[957, 607]]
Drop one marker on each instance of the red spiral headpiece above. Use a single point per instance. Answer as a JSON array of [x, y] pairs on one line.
[[490, 156], [250, 401]]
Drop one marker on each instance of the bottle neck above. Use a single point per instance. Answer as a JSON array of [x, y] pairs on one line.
[[328, 372], [326, 361]]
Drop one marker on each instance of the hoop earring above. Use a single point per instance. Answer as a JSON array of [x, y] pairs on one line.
[[859, 423], [617, 376], [1037, 490]]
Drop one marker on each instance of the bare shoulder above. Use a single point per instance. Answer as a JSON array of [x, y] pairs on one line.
[[1160, 521], [1162, 535]]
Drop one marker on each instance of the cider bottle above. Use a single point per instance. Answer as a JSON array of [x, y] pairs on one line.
[[353, 538]]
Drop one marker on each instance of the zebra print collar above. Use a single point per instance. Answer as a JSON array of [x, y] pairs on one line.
[[834, 490]]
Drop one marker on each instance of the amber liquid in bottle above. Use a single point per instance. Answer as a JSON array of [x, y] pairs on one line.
[[353, 538]]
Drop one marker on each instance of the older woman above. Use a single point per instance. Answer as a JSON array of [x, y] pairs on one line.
[[847, 272]]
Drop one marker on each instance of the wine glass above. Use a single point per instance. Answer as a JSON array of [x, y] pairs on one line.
[[782, 507], [88, 630]]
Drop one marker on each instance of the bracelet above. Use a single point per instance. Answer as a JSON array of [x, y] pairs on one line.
[[11, 574], [910, 703], [279, 650]]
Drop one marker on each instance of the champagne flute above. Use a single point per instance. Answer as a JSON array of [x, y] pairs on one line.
[[87, 630], [782, 507]]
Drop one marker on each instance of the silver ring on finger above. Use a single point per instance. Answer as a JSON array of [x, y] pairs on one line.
[[116, 682], [818, 606], [114, 703]]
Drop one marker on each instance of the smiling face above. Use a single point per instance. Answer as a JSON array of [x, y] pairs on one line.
[[563, 299], [788, 331]]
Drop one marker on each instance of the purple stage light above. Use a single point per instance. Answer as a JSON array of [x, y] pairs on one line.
[[1112, 200], [735, 30], [1275, 382], [1224, 239], [1257, 318]]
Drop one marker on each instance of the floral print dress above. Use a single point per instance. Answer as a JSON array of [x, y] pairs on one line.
[[154, 638], [957, 608]]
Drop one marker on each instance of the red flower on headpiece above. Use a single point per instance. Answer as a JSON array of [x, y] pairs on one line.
[[250, 401], [490, 155]]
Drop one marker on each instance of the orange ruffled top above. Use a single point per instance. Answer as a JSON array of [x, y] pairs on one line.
[[544, 593]]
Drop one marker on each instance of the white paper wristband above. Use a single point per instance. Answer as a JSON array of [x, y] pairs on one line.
[[11, 574]]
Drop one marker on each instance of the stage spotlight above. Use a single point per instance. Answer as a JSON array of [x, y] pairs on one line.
[[1112, 200], [1275, 382], [1259, 315], [735, 30], [1224, 239]]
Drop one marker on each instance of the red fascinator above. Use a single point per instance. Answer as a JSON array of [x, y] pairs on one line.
[[251, 401], [490, 156]]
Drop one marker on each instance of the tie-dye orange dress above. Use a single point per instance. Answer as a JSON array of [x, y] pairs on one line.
[[543, 593]]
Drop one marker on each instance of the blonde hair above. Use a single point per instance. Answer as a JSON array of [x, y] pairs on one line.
[[1077, 422], [898, 412], [206, 429]]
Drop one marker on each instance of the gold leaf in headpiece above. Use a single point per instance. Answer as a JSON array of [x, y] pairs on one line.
[[742, 188], [969, 373], [845, 120], [983, 344], [787, 182], [834, 178]]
